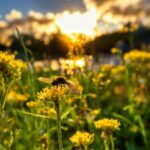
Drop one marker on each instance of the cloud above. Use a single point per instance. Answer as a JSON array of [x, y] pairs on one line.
[[38, 25], [35, 15], [3, 24], [14, 15], [43, 26], [77, 22], [100, 16], [120, 10]]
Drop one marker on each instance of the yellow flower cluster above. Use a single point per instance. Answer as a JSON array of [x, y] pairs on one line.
[[135, 55], [32, 104], [140, 98], [107, 124], [43, 141], [82, 138], [101, 75], [115, 51], [101, 80], [49, 111], [10, 66], [14, 96], [52, 93], [92, 114], [106, 67], [118, 69]]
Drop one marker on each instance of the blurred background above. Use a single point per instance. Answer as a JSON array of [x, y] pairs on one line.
[[51, 27]]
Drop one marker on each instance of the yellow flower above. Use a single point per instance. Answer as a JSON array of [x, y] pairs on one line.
[[92, 114], [133, 128], [49, 111], [82, 138], [13, 96], [136, 55], [95, 112], [101, 75], [32, 104], [101, 80], [43, 141], [106, 67], [118, 70], [52, 93], [115, 51], [140, 98], [9, 66], [107, 124]]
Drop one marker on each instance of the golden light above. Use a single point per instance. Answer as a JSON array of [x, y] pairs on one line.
[[77, 22], [80, 63], [76, 64]]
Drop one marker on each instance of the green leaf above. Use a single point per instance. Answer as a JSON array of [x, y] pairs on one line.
[[37, 115], [131, 145], [66, 112], [2, 148], [122, 118]]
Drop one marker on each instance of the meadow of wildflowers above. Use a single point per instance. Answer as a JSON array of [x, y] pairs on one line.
[[75, 106]]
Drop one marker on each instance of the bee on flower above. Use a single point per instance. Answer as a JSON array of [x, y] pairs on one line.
[[60, 90], [62, 82], [52, 93]]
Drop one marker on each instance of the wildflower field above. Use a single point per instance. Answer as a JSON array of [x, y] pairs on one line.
[[75, 106], [75, 75]]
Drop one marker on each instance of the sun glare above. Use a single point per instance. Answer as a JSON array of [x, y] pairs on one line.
[[77, 22]]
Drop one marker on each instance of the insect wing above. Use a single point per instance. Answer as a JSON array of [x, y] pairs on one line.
[[45, 80], [73, 88]]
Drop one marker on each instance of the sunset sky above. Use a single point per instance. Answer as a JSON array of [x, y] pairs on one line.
[[40, 5], [106, 9], [89, 17]]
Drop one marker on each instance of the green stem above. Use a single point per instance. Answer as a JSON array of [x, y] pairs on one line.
[[5, 96], [112, 142], [30, 76], [58, 111], [85, 147], [106, 145], [142, 128], [129, 90], [23, 46]]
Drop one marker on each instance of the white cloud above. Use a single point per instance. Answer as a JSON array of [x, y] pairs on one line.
[[3, 24], [119, 10], [35, 15], [14, 15]]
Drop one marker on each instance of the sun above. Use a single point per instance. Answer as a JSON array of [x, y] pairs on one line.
[[77, 22]]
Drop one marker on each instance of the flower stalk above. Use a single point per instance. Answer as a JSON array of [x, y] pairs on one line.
[[112, 142], [5, 96], [106, 146], [58, 121]]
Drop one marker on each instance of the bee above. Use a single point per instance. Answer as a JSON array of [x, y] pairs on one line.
[[60, 81]]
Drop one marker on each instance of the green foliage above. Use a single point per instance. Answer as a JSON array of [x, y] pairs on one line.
[[120, 92]]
